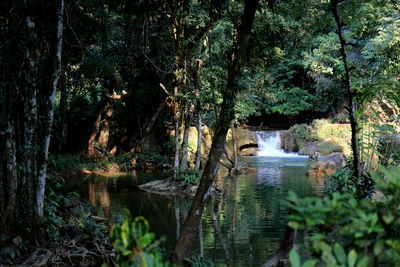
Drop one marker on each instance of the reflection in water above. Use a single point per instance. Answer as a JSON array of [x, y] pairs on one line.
[[243, 226], [99, 191]]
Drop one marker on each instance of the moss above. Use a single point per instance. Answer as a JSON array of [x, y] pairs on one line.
[[322, 136], [326, 148]]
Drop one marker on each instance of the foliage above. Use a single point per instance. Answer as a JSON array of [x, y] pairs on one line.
[[198, 261], [135, 244], [366, 229], [53, 201], [340, 181], [302, 134], [189, 176]]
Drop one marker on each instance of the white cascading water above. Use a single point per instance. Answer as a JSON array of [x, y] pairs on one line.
[[269, 144]]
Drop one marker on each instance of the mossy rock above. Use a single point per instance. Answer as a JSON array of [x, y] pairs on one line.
[[326, 148]]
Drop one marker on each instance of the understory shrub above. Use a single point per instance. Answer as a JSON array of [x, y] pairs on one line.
[[342, 230]]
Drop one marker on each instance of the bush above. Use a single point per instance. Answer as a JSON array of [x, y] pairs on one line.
[[341, 182], [135, 244], [189, 176], [341, 230]]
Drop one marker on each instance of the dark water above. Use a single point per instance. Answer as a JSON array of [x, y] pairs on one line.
[[250, 212]]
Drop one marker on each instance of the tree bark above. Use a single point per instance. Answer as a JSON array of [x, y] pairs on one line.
[[105, 128], [91, 150], [282, 254], [350, 91], [184, 245], [175, 170], [185, 141], [30, 119], [199, 134], [10, 180], [49, 117], [235, 160], [63, 117]]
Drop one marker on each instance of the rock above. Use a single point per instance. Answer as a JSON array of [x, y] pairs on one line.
[[244, 139], [287, 141], [309, 149], [328, 165], [86, 172], [167, 186], [250, 151], [328, 147]]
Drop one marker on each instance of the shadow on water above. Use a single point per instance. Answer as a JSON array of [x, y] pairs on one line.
[[242, 226]]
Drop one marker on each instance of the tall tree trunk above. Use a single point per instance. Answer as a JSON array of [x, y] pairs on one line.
[[153, 119], [184, 245], [185, 141], [235, 159], [91, 150], [282, 254], [350, 91], [48, 118], [63, 117], [30, 120], [199, 133], [197, 86], [10, 179], [176, 157], [105, 128]]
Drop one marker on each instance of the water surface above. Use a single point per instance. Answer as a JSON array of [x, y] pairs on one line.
[[250, 215]]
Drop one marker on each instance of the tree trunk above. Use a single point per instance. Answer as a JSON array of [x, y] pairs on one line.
[[280, 258], [176, 157], [91, 150], [48, 117], [184, 245], [30, 119], [199, 133], [235, 160], [185, 141], [153, 119], [350, 91], [63, 117], [10, 179], [105, 128]]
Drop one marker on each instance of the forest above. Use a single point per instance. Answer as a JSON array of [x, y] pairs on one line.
[[200, 133]]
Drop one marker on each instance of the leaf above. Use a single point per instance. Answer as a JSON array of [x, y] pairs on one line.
[[340, 253], [294, 258], [363, 262], [351, 258], [309, 263]]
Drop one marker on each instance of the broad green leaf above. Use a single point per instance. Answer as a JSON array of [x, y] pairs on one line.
[[352, 258], [294, 258], [340, 253]]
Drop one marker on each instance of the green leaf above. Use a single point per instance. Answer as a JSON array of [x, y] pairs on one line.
[[363, 262], [309, 263], [340, 253], [294, 258], [351, 258]]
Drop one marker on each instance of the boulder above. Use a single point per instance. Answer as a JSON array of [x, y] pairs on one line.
[[322, 147], [244, 139], [250, 151], [287, 141], [328, 165]]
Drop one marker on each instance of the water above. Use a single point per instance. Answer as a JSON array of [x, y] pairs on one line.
[[250, 211], [269, 144]]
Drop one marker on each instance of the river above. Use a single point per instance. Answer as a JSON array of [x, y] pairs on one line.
[[249, 215]]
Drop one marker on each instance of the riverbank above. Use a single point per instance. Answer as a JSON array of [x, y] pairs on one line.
[[72, 235]]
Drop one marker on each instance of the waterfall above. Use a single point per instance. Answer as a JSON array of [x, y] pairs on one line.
[[269, 144]]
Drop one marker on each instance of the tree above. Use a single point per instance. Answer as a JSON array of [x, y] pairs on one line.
[[30, 86], [240, 51]]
